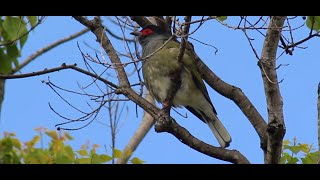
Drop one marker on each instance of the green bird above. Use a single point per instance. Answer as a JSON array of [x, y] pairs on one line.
[[160, 64]]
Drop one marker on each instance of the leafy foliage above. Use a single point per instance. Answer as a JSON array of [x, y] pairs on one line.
[[297, 153], [313, 22], [13, 36], [12, 151], [222, 18]]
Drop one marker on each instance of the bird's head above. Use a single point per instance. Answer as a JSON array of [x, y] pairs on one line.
[[150, 33]]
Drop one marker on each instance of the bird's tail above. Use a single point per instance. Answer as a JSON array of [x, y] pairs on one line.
[[219, 131]]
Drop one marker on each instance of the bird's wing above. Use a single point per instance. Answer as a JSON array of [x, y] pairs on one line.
[[172, 50], [189, 64]]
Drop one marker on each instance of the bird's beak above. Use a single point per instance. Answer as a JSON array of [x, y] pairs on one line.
[[136, 33]]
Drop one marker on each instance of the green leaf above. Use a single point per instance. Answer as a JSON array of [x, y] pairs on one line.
[[32, 20], [285, 157], [83, 152], [222, 18], [304, 148], [286, 142], [23, 36], [37, 156], [105, 158], [283, 160], [116, 153], [313, 22], [15, 28], [68, 136], [16, 62], [293, 160], [6, 144], [92, 152], [16, 143], [286, 147], [69, 153], [311, 158], [33, 141], [136, 160], [11, 26], [84, 161], [99, 159], [13, 52], [62, 159], [53, 134], [307, 160], [5, 63], [295, 149]]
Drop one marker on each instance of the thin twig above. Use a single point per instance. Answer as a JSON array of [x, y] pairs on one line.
[[48, 48]]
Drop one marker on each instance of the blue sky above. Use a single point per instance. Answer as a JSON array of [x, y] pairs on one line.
[[26, 100]]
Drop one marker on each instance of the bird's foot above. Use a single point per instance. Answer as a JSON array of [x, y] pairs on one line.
[[163, 123]]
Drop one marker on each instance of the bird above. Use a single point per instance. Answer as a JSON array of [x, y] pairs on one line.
[[159, 65]]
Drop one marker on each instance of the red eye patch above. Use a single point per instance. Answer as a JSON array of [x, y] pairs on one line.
[[146, 32]]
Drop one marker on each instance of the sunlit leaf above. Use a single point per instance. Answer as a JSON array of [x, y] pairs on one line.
[[311, 158], [222, 18], [136, 160], [68, 136], [63, 159], [53, 134], [32, 142], [83, 152], [16, 143], [304, 148], [295, 149], [283, 160], [286, 142], [69, 152], [116, 153], [92, 151], [57, 145], [293, 160], [84, 161], [105, 158], [285, 157], [99, 159]]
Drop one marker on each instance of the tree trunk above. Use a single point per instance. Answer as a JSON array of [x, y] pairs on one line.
[[267, 63]]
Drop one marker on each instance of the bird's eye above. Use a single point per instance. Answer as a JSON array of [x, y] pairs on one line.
[[146, 32]]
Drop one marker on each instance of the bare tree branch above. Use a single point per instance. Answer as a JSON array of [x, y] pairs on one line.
[[146, 124], [237, 96], [96, 27], [124, 88], [141, 20], [186, 138], [62, 67], [161, 22], [267, 63], [48, 48]]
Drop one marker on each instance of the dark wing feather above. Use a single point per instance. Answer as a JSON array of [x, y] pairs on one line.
[[193, 111]]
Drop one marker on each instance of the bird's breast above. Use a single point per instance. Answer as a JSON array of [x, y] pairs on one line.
[[157, 79]]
